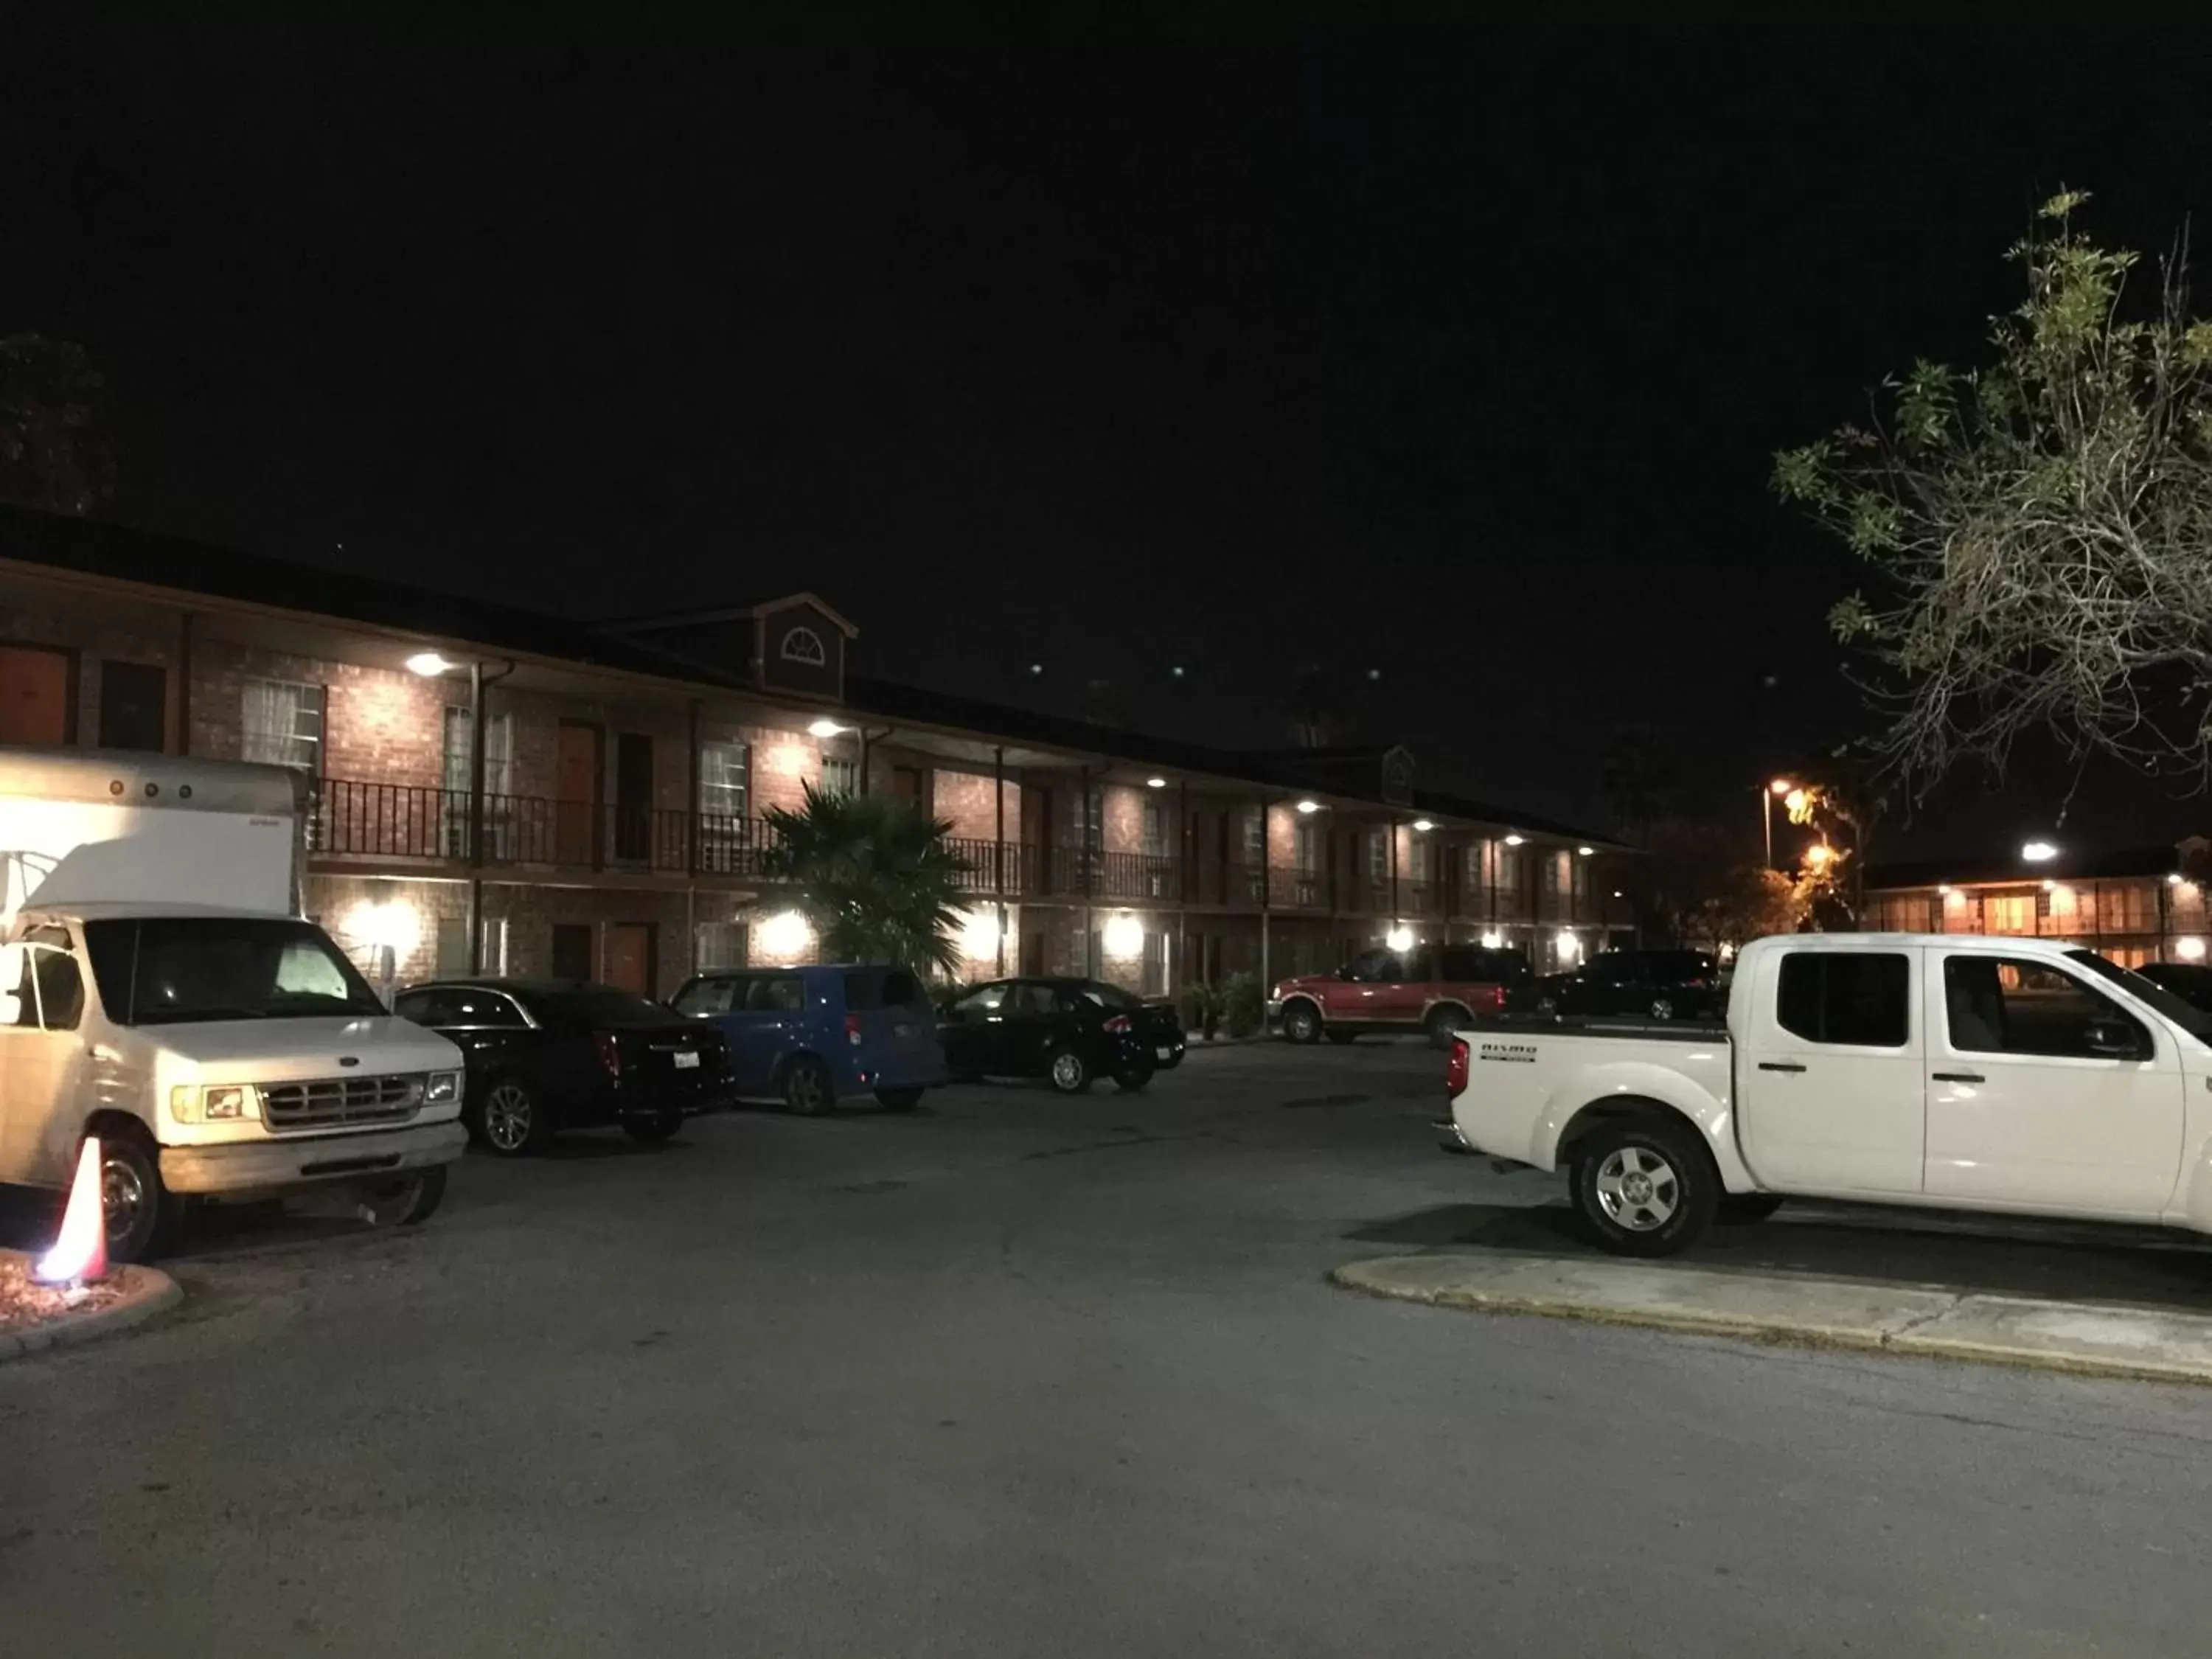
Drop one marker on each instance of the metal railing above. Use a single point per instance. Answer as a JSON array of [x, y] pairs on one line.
[[422, 823]]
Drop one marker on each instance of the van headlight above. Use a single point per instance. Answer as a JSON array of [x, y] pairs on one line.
[[227, 1103], [442, 1088]]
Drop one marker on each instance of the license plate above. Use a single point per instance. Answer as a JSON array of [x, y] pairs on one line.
[[1167, 1054], [687, 1060]]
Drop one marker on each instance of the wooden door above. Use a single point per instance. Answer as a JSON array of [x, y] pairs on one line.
[[34, 694], [576, 795], [630, 957]]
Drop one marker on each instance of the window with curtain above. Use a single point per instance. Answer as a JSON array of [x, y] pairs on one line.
[[839, 775], [498, 781], [724, 774], [1255, 838], [721, 945], [1305, 847], [281, 724]]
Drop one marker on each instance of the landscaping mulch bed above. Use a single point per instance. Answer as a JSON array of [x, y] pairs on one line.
[[24, 1302]]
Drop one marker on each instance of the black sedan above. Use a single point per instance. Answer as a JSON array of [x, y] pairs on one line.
[[544, 1056], [1068, 1031], [1646, 984]]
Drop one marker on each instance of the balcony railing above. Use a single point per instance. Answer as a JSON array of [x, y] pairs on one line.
[[418, 823]]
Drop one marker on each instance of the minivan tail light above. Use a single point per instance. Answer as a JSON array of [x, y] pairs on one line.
[[609, 1052], [853, 1029], [1456, 1068], [1119, 1025]]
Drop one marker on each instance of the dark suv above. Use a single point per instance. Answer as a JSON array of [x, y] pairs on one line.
[[1649, 984]]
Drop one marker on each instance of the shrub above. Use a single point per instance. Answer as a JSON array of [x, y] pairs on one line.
[[1242, 1007]]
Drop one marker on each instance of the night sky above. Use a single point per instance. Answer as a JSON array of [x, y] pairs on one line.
[[1458, 356]]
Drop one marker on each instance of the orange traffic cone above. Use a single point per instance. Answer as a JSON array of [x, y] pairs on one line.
[[80, 1252]]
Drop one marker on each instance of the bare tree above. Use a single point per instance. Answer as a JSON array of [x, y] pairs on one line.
[[51, 452], [2041, 527]]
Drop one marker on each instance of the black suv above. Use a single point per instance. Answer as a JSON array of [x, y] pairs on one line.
[[1648, 984]]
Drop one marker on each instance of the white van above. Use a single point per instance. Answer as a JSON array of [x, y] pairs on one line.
[[160, 989]]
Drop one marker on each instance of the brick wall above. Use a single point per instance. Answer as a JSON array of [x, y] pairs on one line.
[[967, 801], [98, 630]]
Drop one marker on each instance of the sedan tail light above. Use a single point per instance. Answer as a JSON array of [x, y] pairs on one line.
[[853, 1029], [1456, 1068], [1119, 1025], [609, 1052]]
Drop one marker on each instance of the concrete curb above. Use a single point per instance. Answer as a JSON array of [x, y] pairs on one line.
[[146, 1291], [2097, 1340]]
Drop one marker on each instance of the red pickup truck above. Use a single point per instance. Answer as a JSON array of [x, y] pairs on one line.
[[1424, 989]]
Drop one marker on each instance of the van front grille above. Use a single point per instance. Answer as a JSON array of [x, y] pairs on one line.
[[328, 1103]]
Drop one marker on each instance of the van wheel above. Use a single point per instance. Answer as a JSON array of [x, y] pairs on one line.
[[1302, 1023], [1662, 1008], [806, 1087], [1645, 1186], [404, 1200], [143, 1215]]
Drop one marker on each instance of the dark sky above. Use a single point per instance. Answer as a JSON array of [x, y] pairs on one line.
[[1459, 357]]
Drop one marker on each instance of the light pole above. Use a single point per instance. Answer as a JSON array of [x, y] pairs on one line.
[[1767, 797]]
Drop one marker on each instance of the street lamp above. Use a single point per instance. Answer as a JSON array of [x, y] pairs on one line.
[[2038, 852], [1773, 791]]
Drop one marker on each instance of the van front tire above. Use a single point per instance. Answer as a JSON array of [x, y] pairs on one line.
[[143, 1215], [1645, 1186]]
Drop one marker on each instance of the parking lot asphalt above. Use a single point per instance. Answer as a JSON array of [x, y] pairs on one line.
[[1024, 1376]]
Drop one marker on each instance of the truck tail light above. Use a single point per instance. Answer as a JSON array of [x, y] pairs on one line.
[[853, 1029], [1495, 996], [1456, 1068], [1119, 1025], [609, 1052]]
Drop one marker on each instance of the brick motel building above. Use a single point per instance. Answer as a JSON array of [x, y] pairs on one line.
[[500, 791]]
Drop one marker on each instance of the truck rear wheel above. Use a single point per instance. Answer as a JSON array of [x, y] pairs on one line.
[[1645, 1186], [1302, 1022]]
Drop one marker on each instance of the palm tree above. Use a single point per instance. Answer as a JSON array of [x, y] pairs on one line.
[[876, 880]]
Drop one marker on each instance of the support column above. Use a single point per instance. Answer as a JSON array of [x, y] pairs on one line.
[[1267, 881], [1181, 970], [1090, 915], [998, 844], [475, 922]]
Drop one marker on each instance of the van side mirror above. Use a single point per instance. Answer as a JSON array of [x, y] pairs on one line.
[[2112, 1039]]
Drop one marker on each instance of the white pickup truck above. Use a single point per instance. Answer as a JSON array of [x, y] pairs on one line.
[[1951, 1072], [159, 989]]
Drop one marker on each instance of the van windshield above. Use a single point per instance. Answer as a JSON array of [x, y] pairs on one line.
[[165, 970]]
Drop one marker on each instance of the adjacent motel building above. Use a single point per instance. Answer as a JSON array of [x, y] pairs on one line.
[[495, 790], [2135, 905]]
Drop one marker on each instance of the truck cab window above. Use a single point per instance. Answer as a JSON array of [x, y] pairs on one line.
[[1857, 998], [2007, 1005]]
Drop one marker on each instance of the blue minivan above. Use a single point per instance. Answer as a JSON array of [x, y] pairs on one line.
[[814, 1035]]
